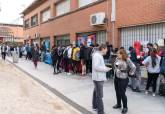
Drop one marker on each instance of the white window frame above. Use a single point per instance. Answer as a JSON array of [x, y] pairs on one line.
[[46, 14], [34, 22], [63, 7], [27, 23], [82, 3]]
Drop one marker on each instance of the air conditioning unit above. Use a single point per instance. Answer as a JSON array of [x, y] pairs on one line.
[[37, 35], [97, 19]]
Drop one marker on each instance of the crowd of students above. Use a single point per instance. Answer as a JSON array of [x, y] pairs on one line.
[[123, 65], [72, 59], [102, 61]]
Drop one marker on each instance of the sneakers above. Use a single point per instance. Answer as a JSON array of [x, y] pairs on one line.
[[136, 90], [153, 94], [94, 109], [124, 111], [146, 92], [69, 74], [117, 106]]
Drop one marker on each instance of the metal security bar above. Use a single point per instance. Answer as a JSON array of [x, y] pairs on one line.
[[144, 33]]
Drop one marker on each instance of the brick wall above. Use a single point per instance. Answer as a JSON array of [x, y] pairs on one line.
[[76, 22], [129, 12], [133, 12], [137, 12]]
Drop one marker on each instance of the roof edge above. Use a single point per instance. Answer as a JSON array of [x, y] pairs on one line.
[[7, 24], [32, 6]]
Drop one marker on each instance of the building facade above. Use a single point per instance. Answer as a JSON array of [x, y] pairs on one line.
[[11, 33], [121, 22]]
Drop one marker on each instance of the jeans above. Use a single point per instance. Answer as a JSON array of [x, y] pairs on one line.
[[120, 88], [152, 79], [97, 97]]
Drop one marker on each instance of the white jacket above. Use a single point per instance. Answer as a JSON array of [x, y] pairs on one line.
[[98, 67], [148, 62], [69, 52]]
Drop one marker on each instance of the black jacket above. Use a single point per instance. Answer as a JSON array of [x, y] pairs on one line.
[[82, 52], [36, 55]]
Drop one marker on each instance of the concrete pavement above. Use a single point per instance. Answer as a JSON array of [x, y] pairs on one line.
[[20, 94], [79, 90]]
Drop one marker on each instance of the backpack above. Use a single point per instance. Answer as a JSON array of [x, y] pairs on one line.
[[87, 53], [77, 55], [162, 88], [65, 54], [162, 66], [60, 52]]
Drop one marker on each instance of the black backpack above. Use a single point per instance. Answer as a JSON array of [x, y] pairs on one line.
[[60, 51], [162, 89], [65, 54], [87, 52]]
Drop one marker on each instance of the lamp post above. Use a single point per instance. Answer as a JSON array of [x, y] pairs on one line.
[[0, 7], [13, 38], [113, 20]]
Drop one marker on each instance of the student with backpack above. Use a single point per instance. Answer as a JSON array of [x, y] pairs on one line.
[[75, 59], [70, 67], [3, 51], [59, 52], [55, 57], [88, 59], [35, 57], [82, 58], [67, 59]]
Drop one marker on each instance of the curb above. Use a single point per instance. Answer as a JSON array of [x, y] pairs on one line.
[[54, 91]]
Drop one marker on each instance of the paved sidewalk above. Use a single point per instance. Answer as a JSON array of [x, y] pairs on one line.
[[80, 90]]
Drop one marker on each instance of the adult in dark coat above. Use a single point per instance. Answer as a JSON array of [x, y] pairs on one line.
[[82, 58], [35, 56], [3, 51], [55, 58]]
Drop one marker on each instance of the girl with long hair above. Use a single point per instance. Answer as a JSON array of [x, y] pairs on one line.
[[152, 63]]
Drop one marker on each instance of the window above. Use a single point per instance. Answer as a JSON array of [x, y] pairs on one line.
[[85, 2], [144, 33], [34, 20], [45, 15], [101, 37], [26, 23], [63, 40], [63, 7]]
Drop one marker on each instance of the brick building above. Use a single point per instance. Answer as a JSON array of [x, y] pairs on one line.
[[11, 33], [62, 22]]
